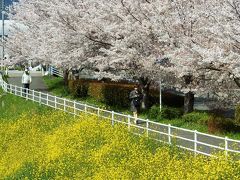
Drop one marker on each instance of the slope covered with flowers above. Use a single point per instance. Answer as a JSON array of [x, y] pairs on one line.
[[57, 146]]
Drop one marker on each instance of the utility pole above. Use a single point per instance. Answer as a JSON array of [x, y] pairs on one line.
[[160, 94], [3, 33]]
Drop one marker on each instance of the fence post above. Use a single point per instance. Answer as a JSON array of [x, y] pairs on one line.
[[64, 104], [10, 89], [169, 133], [195, 142], [33, 94], [74, 108], [129, 123], [40, 97], [15, 90], [6, 87], [85, 108], [21, 91], [98, 111], [147, 126], [112, 118], [26, 93], [48, 71], [55, 102], [226, 146], [47, 99]]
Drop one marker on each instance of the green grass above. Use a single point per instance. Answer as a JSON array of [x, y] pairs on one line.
[[188, 125], [56, 86], [199, 124], [195, 121], [12, 106]]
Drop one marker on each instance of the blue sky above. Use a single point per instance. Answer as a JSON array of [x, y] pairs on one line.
[[7, 3]]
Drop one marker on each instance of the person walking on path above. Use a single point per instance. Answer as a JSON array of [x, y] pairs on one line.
[[135, 98], [26, 81]]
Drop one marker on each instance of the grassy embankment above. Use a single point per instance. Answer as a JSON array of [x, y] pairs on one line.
[[195, 121], [37, 143], [12, 106]]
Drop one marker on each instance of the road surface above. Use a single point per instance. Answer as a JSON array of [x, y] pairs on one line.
[[37, 80]]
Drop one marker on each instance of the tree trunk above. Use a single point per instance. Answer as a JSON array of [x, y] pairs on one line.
[[237, 81], [65, 76], [145, 85], [188, 102], [145, 99]]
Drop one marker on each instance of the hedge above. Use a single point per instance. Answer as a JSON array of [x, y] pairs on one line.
[[117, 93], [111, 93]]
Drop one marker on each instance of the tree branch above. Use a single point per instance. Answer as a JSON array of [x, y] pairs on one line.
[[130, 12], [98, 41]]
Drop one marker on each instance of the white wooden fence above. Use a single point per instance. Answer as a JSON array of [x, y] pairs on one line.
[[54, 71], [197, 142]]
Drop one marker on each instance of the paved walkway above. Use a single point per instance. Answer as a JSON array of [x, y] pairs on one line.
[[37, 81]]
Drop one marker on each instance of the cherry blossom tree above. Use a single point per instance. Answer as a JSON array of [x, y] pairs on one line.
[[56, 30], [195, 42], [126, 48], [154, 29], [221, 59], [209, 38]]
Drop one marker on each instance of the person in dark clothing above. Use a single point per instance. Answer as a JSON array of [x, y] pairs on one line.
[[135, 98]]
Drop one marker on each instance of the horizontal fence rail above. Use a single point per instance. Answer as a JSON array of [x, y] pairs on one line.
[[55, 71], [194, 141]]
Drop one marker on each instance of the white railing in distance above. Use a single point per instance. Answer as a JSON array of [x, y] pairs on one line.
[[55, 71]]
